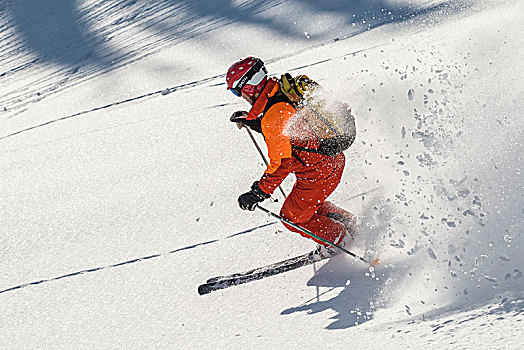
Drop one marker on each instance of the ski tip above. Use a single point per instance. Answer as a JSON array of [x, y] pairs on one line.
[[375, 262], [204, 289]]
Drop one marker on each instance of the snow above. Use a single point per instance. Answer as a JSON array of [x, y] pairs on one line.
[[119, 173]]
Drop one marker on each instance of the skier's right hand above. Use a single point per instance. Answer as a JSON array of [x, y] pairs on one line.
[[249, 200], [239, 117]]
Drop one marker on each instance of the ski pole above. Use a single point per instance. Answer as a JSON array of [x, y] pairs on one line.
[[262, 154], [373, 263]]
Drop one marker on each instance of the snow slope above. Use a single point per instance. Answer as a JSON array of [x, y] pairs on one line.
[[119, 174]]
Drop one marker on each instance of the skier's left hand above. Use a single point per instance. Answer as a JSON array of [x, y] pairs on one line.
[[249, 200]]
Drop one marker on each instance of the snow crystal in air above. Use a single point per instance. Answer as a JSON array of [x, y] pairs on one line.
[[432, 254], [411, 94]]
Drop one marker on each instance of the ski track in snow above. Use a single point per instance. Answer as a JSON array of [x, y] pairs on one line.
[[128, 262]]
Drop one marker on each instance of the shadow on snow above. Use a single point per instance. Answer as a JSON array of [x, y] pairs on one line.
[[361, 294], [60, 31], [88, 39]]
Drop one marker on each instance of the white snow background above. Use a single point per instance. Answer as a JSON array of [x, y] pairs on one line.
[[120, 172]]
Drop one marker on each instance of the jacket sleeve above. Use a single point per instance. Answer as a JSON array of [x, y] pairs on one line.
[[269, 182], [274, 127]]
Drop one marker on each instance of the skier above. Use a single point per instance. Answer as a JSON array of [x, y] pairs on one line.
[[317, 175]]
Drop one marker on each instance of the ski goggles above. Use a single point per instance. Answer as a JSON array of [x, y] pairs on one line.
[[254, 76], [236, 92]]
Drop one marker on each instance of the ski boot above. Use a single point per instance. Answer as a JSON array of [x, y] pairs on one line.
[[322, 252], [350, 223]]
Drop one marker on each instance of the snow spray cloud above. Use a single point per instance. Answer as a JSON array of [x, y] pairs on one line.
[[441, 160]]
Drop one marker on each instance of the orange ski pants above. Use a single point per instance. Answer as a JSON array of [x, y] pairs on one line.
[[307, 207]]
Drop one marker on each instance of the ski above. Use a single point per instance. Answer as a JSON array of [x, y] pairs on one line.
[[222, 282]]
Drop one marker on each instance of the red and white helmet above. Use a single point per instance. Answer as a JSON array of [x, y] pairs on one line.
[[248, 76]]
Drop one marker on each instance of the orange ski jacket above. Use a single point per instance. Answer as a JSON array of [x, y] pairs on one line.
[[280, 132]]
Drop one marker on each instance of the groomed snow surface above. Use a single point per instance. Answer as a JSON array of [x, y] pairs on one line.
[[119, 174]]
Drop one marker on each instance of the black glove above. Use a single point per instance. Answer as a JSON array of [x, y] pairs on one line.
[[239, 118], [249, 200]]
